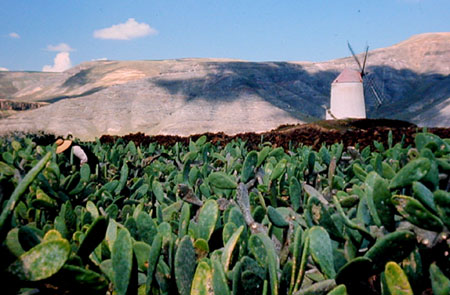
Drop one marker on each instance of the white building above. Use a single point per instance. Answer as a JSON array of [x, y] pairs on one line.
[[347, 96]]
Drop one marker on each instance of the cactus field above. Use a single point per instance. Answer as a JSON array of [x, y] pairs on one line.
[[237, 217]]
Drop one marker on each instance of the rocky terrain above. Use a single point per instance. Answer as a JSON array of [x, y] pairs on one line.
[[191, 96], [8, 107]]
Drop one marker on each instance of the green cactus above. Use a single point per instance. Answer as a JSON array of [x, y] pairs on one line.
[[301, 252], [237, 271], [381, 197], [29, 236], [41, 261], [422, 140], [222, 180], [146, 227], [321, 250], [392, 247], [413, 211], [439, 282], [271, 260], [207, 219], [193, 175], [94, 236], [295, 193], [387, 171], [277, 153], [220, 282], [249, 165], [111, 233], [52, 235], [369, 190], [202, 284], [413, 171], [141, 251], [278, 170], [107, 269], [12, 242], [157, 190], [6, 169], [183, 223], [174, 203], [424, 195], [184, 265], [396, 280], [276, 218], [123, 178], [201, 248], [442, 200], [22, 187], [229, 247], [228, 231], [256, 248], [43, 200], [92, 209], [322, 287], [122, 259], [154, 254], [79, 279], [359, 172], [262, 155], [338, 290], [166, 232]]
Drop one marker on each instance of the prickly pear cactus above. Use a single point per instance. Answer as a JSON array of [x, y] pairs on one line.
[[396, 279], [321, 250], [413, 171], [202, 284], [416, 213], [222, 180], [184, 265], [205, 218], [439, 282], [392, 247], [122, 259], [41, 261]]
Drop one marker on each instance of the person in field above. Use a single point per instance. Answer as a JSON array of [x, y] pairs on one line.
[[81, 154]]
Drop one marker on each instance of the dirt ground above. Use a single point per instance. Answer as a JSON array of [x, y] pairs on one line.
[[349, 132]]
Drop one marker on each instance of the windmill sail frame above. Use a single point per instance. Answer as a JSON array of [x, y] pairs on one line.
[[364, 75]]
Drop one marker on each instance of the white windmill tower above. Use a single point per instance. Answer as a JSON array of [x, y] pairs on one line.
[[347, 92]]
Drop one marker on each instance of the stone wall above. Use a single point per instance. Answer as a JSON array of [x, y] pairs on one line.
[[8, 105]]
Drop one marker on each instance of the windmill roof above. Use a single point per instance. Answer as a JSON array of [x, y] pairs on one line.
[[348, 76]]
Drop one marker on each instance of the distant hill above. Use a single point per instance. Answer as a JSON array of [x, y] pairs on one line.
[[188, 96]]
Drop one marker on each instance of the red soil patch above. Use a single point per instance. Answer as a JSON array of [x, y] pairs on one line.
[[349, 132]]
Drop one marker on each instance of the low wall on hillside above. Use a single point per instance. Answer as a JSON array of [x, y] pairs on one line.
[[11, 105]]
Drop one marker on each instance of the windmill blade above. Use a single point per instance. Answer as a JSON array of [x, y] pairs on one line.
[[378, 97], [354, 56], [364, 62]]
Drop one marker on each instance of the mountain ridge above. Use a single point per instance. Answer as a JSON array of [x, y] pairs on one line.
[[192, 95]]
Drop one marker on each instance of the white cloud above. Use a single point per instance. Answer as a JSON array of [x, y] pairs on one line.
[[99, 59], [61, 63], [61, 47], [131, 29], [3, 69], [14, 35]]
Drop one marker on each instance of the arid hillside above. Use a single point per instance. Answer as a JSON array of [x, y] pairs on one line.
[[193, 96]]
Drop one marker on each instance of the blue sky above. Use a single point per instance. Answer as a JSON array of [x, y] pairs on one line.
[[56, 34]]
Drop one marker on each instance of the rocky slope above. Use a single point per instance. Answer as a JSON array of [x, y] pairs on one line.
[[189, 96]]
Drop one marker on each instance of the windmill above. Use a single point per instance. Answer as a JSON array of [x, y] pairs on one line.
[[347, 91]]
